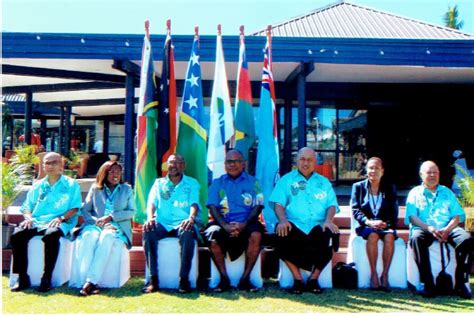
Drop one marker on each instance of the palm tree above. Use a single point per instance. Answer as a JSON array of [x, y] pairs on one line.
[[451, 18]]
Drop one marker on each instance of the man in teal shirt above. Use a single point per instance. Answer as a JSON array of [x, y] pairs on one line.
[[305, 204], [50, 210], [172, 207], [434, 213]]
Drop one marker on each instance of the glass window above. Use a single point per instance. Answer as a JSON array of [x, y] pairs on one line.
[[352, 139], [321, 128]]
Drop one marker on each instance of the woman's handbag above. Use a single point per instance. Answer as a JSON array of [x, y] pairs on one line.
[[444, 281], [344, 276]]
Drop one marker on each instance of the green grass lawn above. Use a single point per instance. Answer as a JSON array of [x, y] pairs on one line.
[[271, 299]]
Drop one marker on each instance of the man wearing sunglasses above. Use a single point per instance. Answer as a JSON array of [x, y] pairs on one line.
[[235, 202]]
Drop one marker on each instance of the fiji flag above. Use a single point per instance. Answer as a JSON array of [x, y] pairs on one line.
[[167, 115], [268, 157], [192, 136], [244, 121], [146, 170]]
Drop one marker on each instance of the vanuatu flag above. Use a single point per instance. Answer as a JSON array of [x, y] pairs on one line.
[[146, 171]]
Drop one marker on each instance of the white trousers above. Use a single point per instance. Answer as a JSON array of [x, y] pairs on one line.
[[93, 251]]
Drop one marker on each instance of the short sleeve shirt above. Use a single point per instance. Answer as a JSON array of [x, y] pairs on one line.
[[172, 202], [306, 201], [434, 209], [235, 198], [47, 202]]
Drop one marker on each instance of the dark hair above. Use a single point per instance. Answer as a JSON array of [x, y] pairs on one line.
[[101, 177]]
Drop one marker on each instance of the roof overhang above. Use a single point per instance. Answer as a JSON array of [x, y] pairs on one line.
[[62, 56]]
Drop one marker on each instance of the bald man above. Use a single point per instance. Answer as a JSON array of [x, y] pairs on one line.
[[434, 213], [50, 210], [305, 204]]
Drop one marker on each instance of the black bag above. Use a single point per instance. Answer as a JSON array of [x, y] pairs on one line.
[[344, 276], [444, 281]]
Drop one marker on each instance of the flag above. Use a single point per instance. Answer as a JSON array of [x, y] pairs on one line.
[[191, 135], [147, 115], [221, 127], [268, 157], [244, 121], [167, 114]]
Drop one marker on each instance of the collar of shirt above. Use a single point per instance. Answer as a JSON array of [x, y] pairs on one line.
[[241, 177], [61, 181]]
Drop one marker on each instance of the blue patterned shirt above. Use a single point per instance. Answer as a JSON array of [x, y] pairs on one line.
[[434, 209], [47, 202], [235, 198], [305, 201], [172, 203]]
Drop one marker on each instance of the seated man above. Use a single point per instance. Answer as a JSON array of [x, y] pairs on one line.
[[172, 207], [49, 210], [434, 213], [235, 202], [305, 204]]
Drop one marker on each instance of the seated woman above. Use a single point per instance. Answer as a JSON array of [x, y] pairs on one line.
[[374, 205], [107, 212]]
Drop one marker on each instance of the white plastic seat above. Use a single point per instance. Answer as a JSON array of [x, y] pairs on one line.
[[286, 280], [235, 269], [117, 271], [357, 253], [62, 269], [413, 274], [169, 264]]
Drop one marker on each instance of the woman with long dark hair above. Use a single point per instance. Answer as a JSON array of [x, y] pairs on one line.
[[107, 211]]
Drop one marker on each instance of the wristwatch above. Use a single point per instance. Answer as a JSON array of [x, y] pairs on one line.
[[62, 218]]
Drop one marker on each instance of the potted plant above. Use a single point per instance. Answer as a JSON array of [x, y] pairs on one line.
[[73, 163], [466, 196], [16, 174]]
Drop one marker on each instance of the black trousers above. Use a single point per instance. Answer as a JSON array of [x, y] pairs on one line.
[[19, 242], [308, 252], [462, 242]]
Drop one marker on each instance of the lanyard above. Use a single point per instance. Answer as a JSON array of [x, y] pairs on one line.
[[110, 196]]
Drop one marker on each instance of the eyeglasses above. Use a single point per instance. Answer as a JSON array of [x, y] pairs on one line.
[[51, 163], [231, 161]]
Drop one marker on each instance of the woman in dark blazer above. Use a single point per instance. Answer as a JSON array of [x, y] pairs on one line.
[[374, 205]]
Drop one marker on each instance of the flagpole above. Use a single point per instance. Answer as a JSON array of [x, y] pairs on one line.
[[147, 29]]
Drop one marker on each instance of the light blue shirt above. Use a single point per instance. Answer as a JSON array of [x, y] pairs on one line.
[[235, 198], [305, 201], [47, 202], [172, 203], [434, 209]]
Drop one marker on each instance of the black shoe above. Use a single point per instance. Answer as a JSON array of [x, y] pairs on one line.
[[428, 292], [312, 286], [297, 287], [462, 292], [22, 284], [184, 286], [45, 285], [246, 285], [151, 286], [88, 289], [223, 286]]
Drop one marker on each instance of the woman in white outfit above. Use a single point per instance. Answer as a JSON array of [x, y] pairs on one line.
[[107, 211]]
